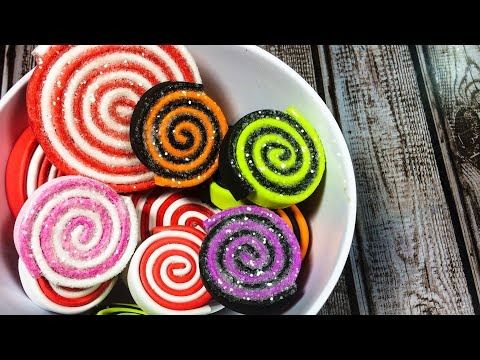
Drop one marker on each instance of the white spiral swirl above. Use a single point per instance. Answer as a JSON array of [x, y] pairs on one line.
[[90, 91], [33, 172], [59, 299], [76, 232], [164, 277], [166, 208]]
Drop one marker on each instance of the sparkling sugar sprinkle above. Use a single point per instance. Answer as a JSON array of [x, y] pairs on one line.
[[262, 263]]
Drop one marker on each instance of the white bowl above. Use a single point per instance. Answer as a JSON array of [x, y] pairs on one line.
[[242, 79]]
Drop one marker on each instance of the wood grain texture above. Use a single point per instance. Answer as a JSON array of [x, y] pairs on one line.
[[15, 61], [358, 276], [404, 257], [453, 83], [299, 58], [408, 247], [3, 49]]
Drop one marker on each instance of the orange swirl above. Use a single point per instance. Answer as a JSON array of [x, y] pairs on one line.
[[301, 229], [206, 129]]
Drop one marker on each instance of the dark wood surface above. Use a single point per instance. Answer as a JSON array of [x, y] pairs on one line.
[[411, 119], [411, 261], [453, 87]]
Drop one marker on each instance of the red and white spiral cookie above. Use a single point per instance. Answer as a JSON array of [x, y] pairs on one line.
[[27, 169], [164, 277], [76, 232], [161, 207], [80, 99], [59, 299]]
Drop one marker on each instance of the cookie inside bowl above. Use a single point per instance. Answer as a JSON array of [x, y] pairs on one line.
[[242, 79]]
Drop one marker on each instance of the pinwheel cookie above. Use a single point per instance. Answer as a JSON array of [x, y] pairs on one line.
[[176, 132], [80, 100], [59, 299], [27, 169], [164, 275], [274, 159], [250, 259], [161, 207], [76, 232]]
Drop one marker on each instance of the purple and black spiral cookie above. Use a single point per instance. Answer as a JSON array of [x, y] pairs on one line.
[[250, 259]]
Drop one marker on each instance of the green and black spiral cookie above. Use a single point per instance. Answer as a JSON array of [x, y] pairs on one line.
[[274, 159]]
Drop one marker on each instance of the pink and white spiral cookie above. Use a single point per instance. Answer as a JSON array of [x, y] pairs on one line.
[[164, 277], [161, 207], [27, 169], [76, 232], [80, 99], [60, 299]]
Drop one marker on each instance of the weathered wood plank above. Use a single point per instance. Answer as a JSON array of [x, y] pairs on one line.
[[361, 291], [408, 247], [299, 57], [25, 61], [338, 301], [453, 85], [15, 61], [3, 69]]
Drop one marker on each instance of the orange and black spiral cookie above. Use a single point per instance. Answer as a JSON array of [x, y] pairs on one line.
[[176, 131]]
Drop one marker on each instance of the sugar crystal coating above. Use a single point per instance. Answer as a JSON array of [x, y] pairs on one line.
[[163, 275], [76, 232], [80, 100], [273, 158], [250, 258], [176, 131]]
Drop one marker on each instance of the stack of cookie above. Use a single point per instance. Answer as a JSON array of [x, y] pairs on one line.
[[129, 169]]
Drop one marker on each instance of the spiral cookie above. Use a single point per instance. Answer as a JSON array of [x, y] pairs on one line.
[[273, 158], [176, 131], [297, 222], [76, 232], [164, 208], [122, 309], [80, 100], [59, 299], [27, 169], [250, 259], [163, 275], [292, 215]]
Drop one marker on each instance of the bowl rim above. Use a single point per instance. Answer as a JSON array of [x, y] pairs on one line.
[[345, 156], [351, 190], [14, 89]]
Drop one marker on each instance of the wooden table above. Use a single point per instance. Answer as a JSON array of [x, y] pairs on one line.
[[411, 119]]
